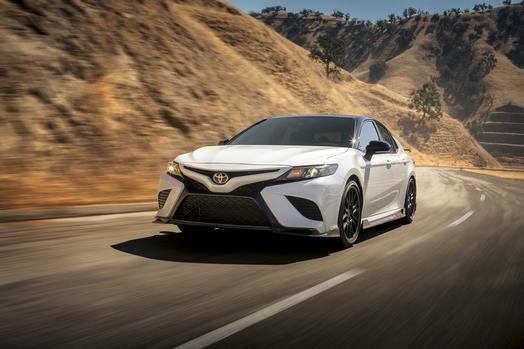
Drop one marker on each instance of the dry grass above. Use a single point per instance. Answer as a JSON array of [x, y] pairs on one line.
[[94, 100]]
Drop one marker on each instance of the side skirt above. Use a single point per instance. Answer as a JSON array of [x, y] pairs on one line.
[[383, 218]]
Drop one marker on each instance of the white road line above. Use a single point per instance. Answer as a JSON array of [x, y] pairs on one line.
[[482, 197], [238, 325], [461, 219]]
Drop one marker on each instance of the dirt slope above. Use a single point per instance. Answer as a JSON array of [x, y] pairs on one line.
[[95, 97]]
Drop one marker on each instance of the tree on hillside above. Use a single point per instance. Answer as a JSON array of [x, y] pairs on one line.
[[487, 63], [392, 18], [306, 12], [506, 2], [409, 12], [455, 11], [273, 9], [330, 52], [404, 39], [480, 7], [426, 100], [338, 14]]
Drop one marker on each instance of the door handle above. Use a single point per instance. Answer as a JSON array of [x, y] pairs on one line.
[[388, 164]]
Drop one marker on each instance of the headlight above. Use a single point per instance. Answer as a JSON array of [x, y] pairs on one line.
[[173, 169], [307, 172]]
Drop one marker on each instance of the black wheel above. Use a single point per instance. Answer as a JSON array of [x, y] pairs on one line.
[[192, 229], [410, 203], [349, 219]]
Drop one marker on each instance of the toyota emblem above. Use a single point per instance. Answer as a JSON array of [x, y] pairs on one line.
[[220, 178]]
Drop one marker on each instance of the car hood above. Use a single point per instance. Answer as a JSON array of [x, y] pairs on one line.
[[260, 156]]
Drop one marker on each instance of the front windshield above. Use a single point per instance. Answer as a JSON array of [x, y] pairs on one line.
[[315, 131]]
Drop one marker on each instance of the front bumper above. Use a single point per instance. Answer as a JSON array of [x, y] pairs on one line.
[[281, 207]]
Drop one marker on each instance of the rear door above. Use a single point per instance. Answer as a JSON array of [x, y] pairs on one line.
[[376, 173]]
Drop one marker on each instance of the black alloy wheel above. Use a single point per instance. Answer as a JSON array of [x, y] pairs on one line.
[[410, 203], [349, 221]]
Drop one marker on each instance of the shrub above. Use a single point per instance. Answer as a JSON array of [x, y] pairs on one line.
[[404, 38], [377, 71], [487, 63]]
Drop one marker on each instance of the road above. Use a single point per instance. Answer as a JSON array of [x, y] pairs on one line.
[[452, 279]]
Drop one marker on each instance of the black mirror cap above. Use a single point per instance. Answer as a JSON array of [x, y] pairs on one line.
[[223, 142], [376, 147]]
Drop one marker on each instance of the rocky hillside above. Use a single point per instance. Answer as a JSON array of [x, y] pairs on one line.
[[95, 97], [475, 57]]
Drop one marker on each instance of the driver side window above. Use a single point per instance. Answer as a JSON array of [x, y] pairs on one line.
[[368, 133]]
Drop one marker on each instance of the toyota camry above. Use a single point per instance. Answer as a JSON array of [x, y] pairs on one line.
[[315, 175]]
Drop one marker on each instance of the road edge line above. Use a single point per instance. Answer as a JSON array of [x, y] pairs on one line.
[[273, 309]]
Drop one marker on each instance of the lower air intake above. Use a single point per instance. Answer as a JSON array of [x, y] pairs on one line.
[[162, 197], [306, 207], [221, 209]]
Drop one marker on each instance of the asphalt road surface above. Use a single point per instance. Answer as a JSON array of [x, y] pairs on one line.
[[452, 279]]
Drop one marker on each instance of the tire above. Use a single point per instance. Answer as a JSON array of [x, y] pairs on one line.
[[350, 214], [194, 229], [410, 201]]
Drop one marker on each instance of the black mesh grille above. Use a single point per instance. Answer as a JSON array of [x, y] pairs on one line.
[[221, 209], [306, 207], [250, 190], [162, 197], [194, 186]]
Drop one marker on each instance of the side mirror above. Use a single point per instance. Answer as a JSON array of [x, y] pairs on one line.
[[223, 141], [376, 147]]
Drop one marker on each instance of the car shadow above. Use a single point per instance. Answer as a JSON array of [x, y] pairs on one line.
[[229, 247], [237, 247], [371, 233]]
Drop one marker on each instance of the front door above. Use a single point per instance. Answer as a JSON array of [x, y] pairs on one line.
[[377, 174]]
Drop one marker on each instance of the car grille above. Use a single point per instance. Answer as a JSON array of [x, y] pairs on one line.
[[195, 186], [306, 207], [162, 197], [221, 209], [251, 189]]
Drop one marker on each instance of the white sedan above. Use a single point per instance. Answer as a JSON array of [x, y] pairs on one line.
[[315, 175]]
